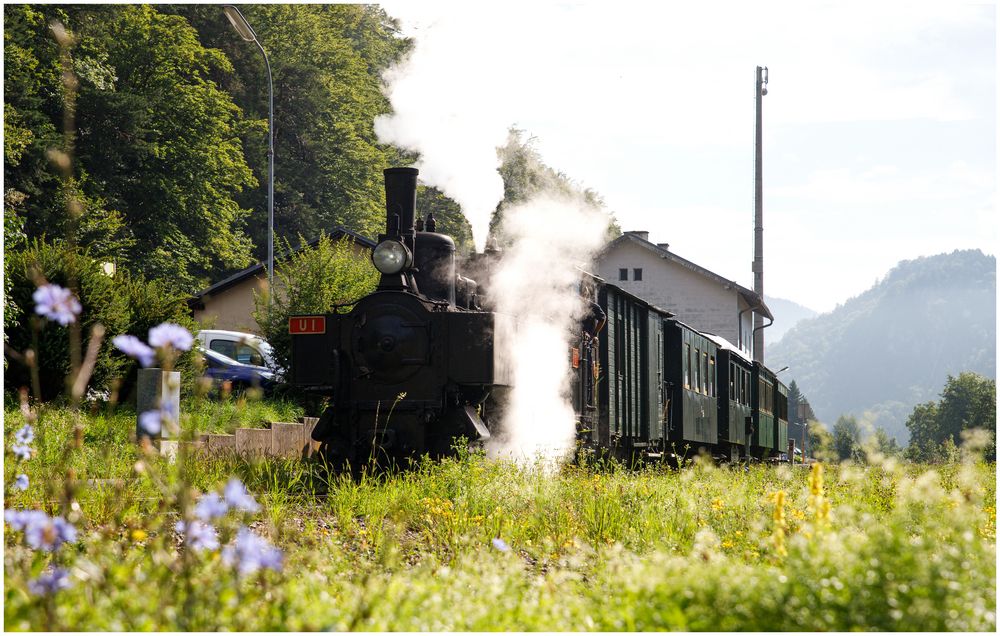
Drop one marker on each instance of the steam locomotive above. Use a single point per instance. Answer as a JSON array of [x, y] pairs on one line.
[[420, 362]]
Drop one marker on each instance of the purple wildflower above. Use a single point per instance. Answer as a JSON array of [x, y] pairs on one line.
[[237, 496], [25, 434], [149, 422], [172, 334], [135, 348], [50, 582], [21, 483], [250, 552], [210, 506], [56, 303], [48, 534], [22, 451], [21, 519], [500, 544], [198, 535]]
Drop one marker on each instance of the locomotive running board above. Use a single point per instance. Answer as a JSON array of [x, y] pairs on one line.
[[477, 423]]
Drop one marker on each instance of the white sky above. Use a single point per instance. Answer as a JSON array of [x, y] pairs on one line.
[[879, 123]]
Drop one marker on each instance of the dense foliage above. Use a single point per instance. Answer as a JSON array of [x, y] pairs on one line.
[[968, 402], [315, 279], [525, 175], [121, 304], [157, 156], [476, 544], [883, 352]]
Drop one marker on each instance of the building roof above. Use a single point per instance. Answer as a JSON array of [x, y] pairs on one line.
[[252, 271], [751, 297]]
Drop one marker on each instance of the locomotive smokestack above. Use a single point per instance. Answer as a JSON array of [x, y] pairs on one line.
[[400, 198]]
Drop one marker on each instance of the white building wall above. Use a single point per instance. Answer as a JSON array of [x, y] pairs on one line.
[[697, 300]]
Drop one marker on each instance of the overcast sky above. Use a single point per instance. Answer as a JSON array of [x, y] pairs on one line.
[[879, 123]]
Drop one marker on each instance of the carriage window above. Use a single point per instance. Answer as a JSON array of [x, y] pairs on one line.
[[623, 273], [687, 366], [636, 273], [711, 376], [697, 370]]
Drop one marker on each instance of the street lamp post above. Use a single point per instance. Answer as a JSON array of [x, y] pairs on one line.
[[247, 33]]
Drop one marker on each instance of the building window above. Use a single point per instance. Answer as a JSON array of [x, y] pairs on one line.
[[623, 273], [636, 273]]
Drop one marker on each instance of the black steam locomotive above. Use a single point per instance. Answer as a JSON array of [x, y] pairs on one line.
[[419, 363]]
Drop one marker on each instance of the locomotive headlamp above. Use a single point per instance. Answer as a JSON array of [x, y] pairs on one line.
[[391, 257]]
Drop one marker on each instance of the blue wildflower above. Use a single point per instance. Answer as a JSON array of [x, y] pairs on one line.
[[237, 496], [43, 533], [210, 506], [56, 303], [25, 434], [249, 553], [149, 422], [50, 582], [21, 483], [172, 334], [500, 544], [135, 348], [22, 451], [198, 535], [21, 519]]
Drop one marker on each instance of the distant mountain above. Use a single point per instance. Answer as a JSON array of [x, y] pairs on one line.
[[786, 314], [892, 347]]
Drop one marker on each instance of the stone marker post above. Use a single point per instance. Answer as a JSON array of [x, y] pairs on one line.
[[159, 389]]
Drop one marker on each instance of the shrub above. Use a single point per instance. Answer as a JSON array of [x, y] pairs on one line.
[[101, 302], [314, 280], [124, 303]]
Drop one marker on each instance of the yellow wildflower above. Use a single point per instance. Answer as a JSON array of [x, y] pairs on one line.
[[717, 504], [139, 535]]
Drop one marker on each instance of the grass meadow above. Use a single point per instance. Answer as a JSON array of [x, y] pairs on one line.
[[474, 544]]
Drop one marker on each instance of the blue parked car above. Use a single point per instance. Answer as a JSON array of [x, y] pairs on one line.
[[241, 376]]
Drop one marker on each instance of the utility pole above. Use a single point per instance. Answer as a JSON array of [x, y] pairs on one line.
[[758, 230]]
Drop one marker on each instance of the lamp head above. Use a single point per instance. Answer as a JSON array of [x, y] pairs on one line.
[[239, 23]]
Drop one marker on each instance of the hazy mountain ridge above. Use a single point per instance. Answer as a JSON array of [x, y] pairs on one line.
[[893, 346], [787, 314]]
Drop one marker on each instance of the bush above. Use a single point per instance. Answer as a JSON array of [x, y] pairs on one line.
[[101, 303], [122, 304], [314, 280]]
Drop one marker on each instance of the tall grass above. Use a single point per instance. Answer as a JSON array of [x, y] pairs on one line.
[[892, 546]]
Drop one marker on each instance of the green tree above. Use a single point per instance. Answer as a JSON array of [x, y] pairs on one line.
[[314, 279], [450, 219], [883, 443], [821, 442], [794, 397], [847, 437], [967, 402], [327, 63], [157, 156], [525, 175]]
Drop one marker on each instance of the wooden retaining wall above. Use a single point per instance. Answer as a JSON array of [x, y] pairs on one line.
[[279, 439]]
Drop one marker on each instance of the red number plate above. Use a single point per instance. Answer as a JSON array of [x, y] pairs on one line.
[[307, 324]]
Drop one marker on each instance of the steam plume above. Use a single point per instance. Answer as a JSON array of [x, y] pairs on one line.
[[552, 235]]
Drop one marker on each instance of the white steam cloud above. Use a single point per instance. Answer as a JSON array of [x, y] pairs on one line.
[[553, 235], [453, 104], [455, 127]]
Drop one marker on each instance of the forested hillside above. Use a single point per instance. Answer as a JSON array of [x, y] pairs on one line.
[[893, 346]]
